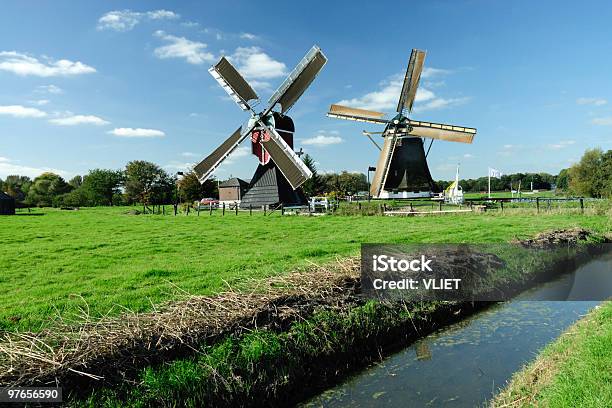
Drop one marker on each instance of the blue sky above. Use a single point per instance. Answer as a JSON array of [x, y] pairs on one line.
[[95, 84]]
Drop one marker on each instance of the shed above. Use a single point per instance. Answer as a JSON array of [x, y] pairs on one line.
[[232, 189], [7, 204]]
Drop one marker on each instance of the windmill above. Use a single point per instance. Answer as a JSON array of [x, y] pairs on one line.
[[280, 172], [402, 170]]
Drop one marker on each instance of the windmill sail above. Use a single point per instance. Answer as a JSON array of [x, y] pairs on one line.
[[411, 80], [213, 160], [359, 115], [382, 167], [449, 133], [288, 162], [233, 83], [298, 81]]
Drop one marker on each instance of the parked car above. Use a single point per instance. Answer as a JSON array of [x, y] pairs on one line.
[[207, 202]]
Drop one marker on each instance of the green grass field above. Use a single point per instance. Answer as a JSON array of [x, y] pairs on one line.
[[56, 261]]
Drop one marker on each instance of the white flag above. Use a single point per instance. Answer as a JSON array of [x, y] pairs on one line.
[[494, 172]]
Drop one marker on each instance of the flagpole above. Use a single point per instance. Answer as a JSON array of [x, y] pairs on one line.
[[489, 183]]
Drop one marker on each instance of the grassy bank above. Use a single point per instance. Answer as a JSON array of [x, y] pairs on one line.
[[58, 261], [574, 371], [267, 368]]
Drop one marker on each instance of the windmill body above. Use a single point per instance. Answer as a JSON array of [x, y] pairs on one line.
[[280, 172], [402, 170]]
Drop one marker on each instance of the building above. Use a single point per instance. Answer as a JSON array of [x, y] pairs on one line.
[[7, 204], [232, 190]]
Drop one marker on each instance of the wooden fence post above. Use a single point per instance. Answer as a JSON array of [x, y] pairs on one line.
[[264, 206], [250, 209], [236, 208], [440, 206], [210, 208], [502, 206], [282, 209], [538, 204], [582, 205], [223, 208]]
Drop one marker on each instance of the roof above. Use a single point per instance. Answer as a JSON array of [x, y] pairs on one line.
[[234, 182], [4, 196]]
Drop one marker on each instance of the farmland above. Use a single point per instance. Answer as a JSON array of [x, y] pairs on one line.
[[105, 259]]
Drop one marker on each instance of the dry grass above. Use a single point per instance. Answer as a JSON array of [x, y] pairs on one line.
[[92, 348]]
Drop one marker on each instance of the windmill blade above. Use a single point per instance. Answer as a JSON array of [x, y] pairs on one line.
[[382, 167], [212, 161], [411, 80], [449, 133], [288, 162], [233, 83], [298, 81], [359, 115]]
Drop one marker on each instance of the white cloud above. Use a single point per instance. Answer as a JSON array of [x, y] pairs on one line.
[[605, 121], [189, 154], [562, 144], [8, 167], [180, 47], [24, 65], [18, 111], [52, 89], [387, 96], [322, 140], [591, 101], [253, 63], [180, 166], [39, 102], [439, 103], [125, 20], [190, 24], [468, 156], [248, 36], [429, 72], [75, 120], [136, 132], [241, 151]]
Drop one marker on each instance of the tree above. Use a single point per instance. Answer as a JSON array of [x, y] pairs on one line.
[[76, 181], [592, 175], [45, 190], [314, 185], [100, 186], [147, 183], [190, 188], [17, 186], [345, 183], [562, 180]]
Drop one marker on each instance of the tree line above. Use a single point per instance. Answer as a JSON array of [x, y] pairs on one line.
[[589, 177], [139, 182], [147, 183]]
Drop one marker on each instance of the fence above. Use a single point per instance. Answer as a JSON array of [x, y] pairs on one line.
[[535, 205]]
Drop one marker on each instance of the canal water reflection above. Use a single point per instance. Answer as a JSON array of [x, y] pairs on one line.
[[464, 364]]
